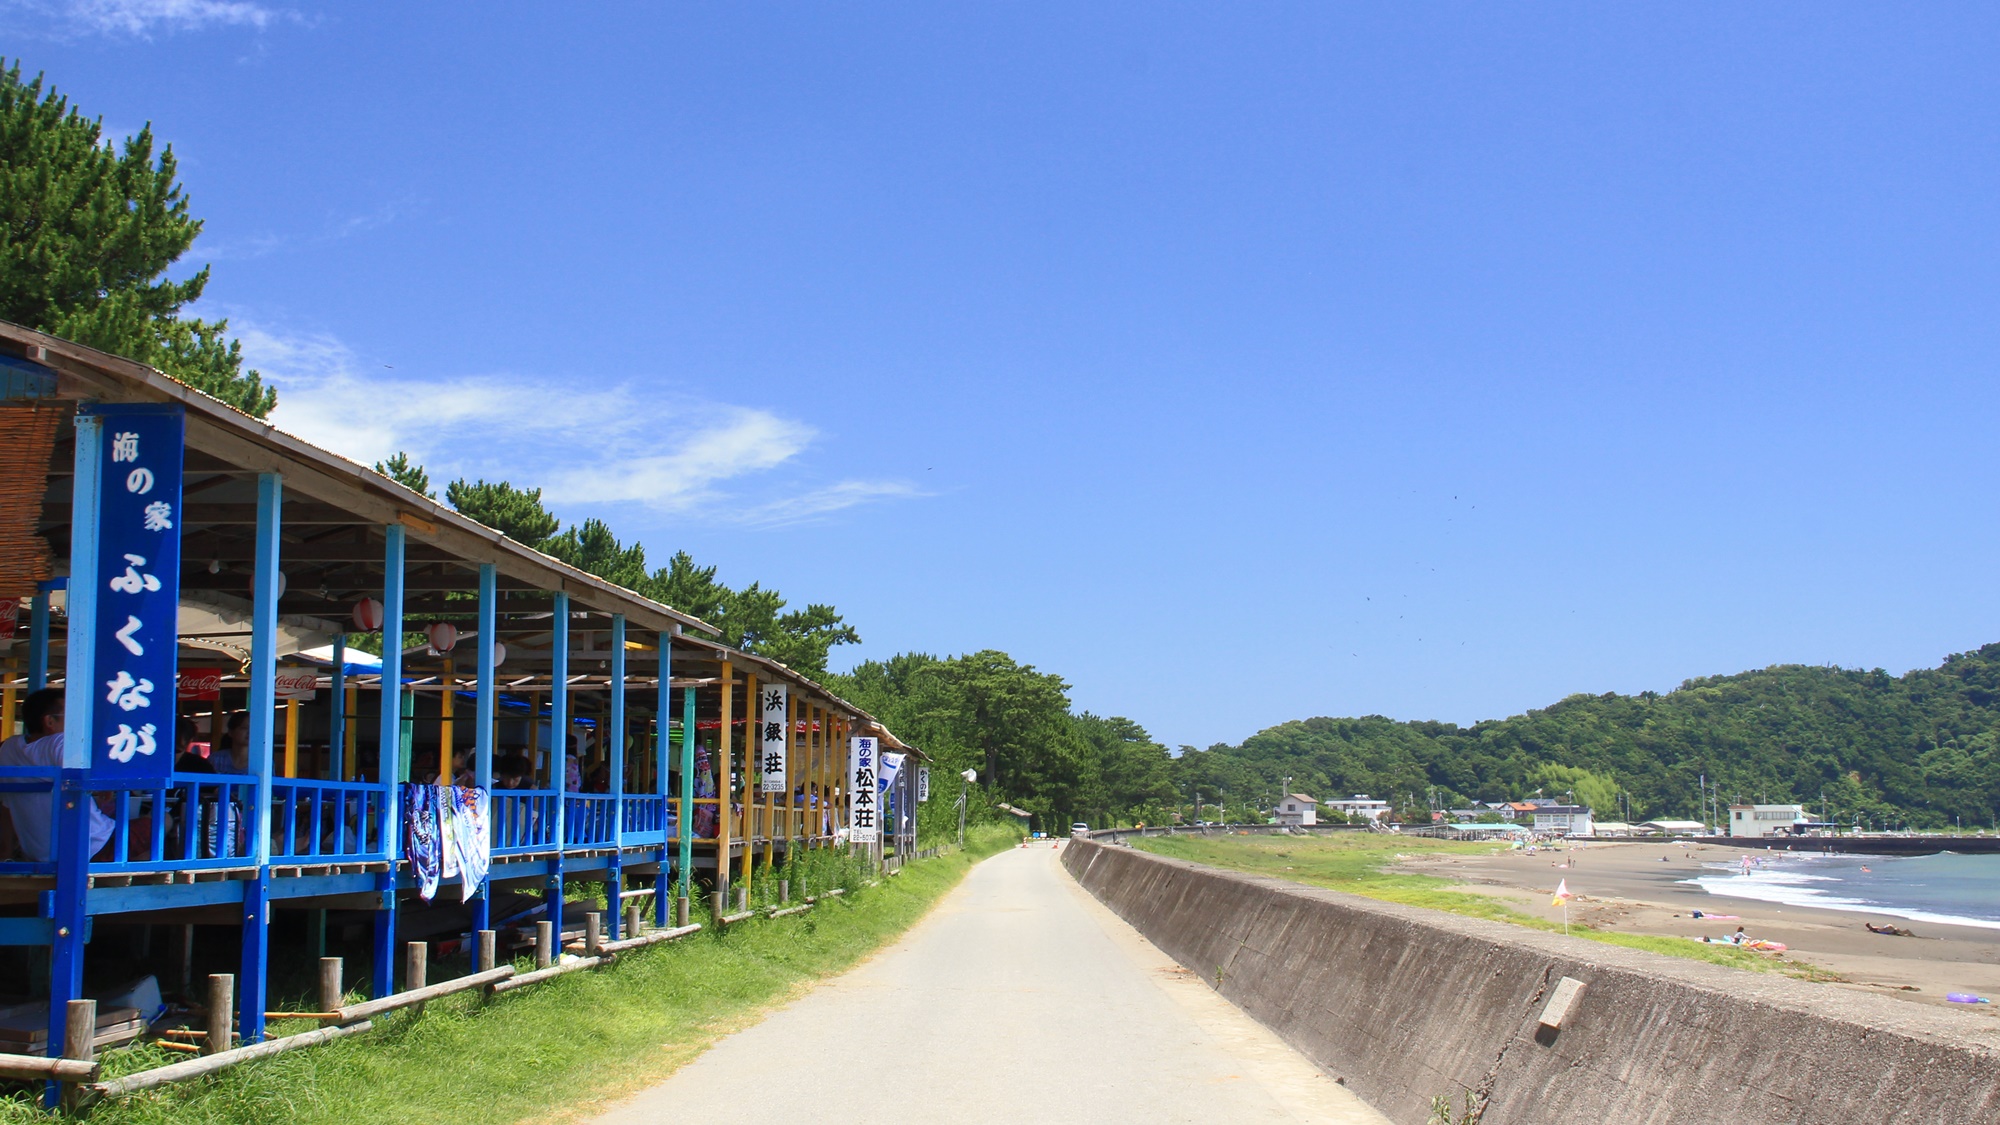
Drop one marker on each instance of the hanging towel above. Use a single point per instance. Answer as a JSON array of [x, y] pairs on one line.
[[470, 838], [705, 816], [447, 830], [425, 846]]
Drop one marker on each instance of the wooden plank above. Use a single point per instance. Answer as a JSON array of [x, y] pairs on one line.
[[209, 1064], [550, 973], [31, 1067], [654, 938], [394, 1001]]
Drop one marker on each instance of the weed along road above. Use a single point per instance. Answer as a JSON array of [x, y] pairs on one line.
[[1019, 998]]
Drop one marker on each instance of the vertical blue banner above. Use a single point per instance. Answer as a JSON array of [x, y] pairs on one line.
[[138, 580]]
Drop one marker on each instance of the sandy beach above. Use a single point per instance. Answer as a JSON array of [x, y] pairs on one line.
[[1626, 887]]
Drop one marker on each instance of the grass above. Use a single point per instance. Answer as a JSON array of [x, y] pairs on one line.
[[558, 1050], [1353, 862]]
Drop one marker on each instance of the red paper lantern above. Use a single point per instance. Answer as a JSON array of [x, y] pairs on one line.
[[442, 635], [368, 615]]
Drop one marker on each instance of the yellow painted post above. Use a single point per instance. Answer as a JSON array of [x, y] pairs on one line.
[[7, 703], [291, 738], [535, 735], [446, 709], [350, 727], [751, 765], [725, 778]]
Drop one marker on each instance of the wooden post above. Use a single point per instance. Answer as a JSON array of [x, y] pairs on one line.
[[416, 970], [593, 933], [487, 952], [725, 779], [79, 1043], [681, 911], [221, 1012], [742, 898], [545, 944], [715, 909], [633, 914], [332, 986], [784, 892]]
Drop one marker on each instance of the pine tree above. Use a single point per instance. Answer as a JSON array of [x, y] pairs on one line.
[[407, 473], [86, 236], [516, 513]]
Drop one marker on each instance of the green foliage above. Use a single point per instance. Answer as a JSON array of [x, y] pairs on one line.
[[516, 513], [87, 234], [407, 473], [1919, 749]]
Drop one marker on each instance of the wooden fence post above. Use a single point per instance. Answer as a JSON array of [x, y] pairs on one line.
[[784, 892], [221, 1012], [79, 1043], [681, 911], [488, 952], [593, 933], [416, 970], [332, 986], [545, 944]]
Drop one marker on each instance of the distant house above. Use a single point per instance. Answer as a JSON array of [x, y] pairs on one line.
[[1515, 810], [1563, 820], [1469, 814], [1299, 809], [1361, 804], [1766, 820], [1674, 827]]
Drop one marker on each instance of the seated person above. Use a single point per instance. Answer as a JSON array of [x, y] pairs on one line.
[[513, 771], [33, 813]]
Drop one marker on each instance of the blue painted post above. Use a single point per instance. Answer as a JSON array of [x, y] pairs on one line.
[[687, 792], [251, 986], [38, 634], [389, 762], [482, 741], [663, 753], [336, 739], [614, 735], [72, 827], [559, 756]]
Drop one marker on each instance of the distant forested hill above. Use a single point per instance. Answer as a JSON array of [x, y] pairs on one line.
[[1917, 749]]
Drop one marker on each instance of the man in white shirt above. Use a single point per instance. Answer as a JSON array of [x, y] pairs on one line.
[[42, 716]]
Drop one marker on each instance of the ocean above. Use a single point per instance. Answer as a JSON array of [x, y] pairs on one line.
[[1960, 890]]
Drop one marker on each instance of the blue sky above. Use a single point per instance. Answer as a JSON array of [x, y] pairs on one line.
[[1237, 362]]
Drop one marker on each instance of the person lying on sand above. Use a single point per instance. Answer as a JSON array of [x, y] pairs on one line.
[[1892, 931]]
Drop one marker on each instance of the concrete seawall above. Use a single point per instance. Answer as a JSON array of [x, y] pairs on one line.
[[1404, 1004]]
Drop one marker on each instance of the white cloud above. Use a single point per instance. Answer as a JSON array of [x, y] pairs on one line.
[[139, 17], [667, 452], [832, 498]]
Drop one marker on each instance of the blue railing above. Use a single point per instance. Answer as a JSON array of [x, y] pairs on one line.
[[188, 822], [29, 780], [645, 818], [327, 821], [587, 820], [523, 821]]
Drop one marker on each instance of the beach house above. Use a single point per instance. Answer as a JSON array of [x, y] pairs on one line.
[[1766, 820], [1297, 808]]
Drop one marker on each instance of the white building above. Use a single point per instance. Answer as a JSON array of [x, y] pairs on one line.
[[1675, 827], [1563, 820], [1361, 804], [1297, 808], [1765, 820]]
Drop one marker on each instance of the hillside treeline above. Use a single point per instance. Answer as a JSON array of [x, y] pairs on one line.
[[1916, 750]]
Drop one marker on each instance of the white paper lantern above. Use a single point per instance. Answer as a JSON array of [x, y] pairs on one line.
[[442, 635], [368, 615], [499, 654]]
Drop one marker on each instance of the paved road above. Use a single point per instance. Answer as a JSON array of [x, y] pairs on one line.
[[1020, 998]]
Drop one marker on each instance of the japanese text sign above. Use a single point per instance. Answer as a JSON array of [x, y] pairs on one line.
[[863, 817], [775, 736], [923, 784], [138, 576]]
